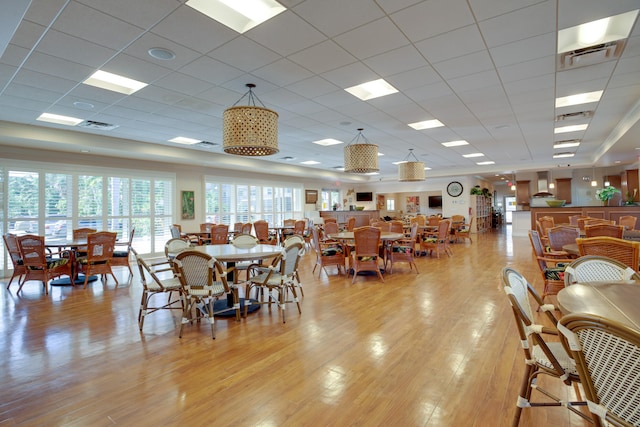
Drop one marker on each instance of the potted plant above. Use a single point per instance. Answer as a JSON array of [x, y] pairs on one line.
[[631, 197], [605, 194], [336, 206]]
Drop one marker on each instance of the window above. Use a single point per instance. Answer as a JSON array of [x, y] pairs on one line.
[[228, 203], [391, 205], [330, 198]]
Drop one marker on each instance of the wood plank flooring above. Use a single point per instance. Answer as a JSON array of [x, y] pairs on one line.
[[437, 348]]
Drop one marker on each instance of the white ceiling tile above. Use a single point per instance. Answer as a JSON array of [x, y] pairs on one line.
[[372, 39], [73, 49], [210, 70], [244, 54], [518, 25], [181, 83], [323, 57], [484, 9], [299, 34], [524, 50], [391, 6], [14, 55], [333, 17], [44, 11], [528, 69], [350, 75], [45, 81], [283, 72], [451, 44], [431, 18], [312, 87], [464, 65], [480, 79], [396, 61], [145, 13], [57, 67], [27, 34], [140, 49]]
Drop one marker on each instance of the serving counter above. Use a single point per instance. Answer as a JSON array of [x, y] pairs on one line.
[[561, 215], [362, 217]]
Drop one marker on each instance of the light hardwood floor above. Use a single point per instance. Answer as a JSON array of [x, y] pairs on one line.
[[437, 348]]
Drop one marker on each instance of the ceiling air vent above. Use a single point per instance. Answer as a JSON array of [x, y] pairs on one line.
[[207, 145], [90, 124], [590, 55], [576, 115]]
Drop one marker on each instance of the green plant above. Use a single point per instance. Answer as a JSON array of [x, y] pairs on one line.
[[606, 193], [476, 191], [630, 199]]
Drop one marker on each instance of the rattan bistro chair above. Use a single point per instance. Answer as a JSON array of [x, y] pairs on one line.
[[196, 271], [607, 358], [11, 243], [597, 230], [561, 235], [628, 222], [593, 268], [219, 234], [439, 242], [365, 254], [542, 357], [39, 264], [551, 268], [121, 257], [328, 252], [403, 250], [625, 251], [157, 278], [175, 246]]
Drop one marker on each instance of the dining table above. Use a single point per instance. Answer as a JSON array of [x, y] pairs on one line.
[[612, 300], [72, 245], [231, 254]]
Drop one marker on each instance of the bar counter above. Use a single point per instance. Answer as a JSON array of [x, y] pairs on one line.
[[362, 217], [561, 215]]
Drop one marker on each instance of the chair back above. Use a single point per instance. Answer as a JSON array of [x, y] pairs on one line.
[[422, 220], [294, 238], [11, 242], [245, 241], [32, 249], [625, 251], [413, 234], [290, 259], [100, 246], [562, 235], [246, 228], [397, 226], [546, 222], [432, 221], [195, 269], [289, 222], [538, 249], [237, 227], [326, 220], [330, 227], [603, 230], [206, 227], [573, 219], [593, 268], [298, 227], [367, 241], [607, 358], [351, 223], [175, 231], [383, 225], [457, 220], [152, 270], [261, 228], [80, 234], [175, 246], [443, 229], [628, 222], [219, 234]]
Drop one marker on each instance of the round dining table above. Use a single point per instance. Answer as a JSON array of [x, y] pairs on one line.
[[613, 300], [72, 245]]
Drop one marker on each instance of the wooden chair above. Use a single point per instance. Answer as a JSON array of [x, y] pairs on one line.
[[439, 242], [237, 227], [593, 268], [330, 228], [351, 223], [403, 250], [628, 222], [432, 221], [81, 234], [397, 226], [365, 254], [457, 221], [191, 238], [330, 219], [299, 227], [121, 257], [288, 232], [625, 251], [422, 220], [205, 228], [464, 232], [544, 224], [261, 228], [596, 230], [551, 267], [219, 234], [542, 356], [196, 272], [243, 241], [277, 282], [246, 228], [606, 355], [328, 252], [11, 243], [40, 264], [382, 225], [573, 219], [560, 236], [100, 246], [152, 285]]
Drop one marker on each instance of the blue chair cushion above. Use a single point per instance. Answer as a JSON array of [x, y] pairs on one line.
[[555, 273], [121, 254], [402, 249], [331, 251], [53, 263]]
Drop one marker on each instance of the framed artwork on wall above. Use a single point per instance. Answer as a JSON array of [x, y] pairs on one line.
[[188, 205], [380, 202], [310, 196], [413, 204]]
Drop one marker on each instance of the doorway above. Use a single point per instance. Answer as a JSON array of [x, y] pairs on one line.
[[510, 206]]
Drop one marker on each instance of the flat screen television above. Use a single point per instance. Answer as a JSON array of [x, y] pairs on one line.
[[364, 197], [435, 201]]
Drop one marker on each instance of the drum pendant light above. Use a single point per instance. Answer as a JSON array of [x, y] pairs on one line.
[[411, 170], [249, 130], [360, 157]]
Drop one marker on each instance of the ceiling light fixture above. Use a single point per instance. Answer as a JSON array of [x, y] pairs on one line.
[[310, 162], [249, 130], [114, 82], [240, 16], [58, 119], [472, 155], [372, 89], [561, 155], [488, 162], [455, 143], [426, 124], [578, 98], [567, 143], [603, 30], [183, 140], [411, 170], [327, 142], [572, 128], [360, 157], [552, 184]]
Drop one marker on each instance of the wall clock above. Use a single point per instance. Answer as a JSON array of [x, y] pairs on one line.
[[454, 189]]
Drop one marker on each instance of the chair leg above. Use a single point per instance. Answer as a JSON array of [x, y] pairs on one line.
[[211, 319], [143, 309]]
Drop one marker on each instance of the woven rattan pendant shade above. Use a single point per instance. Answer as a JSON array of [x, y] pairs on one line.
[[411, 170], [249, 130], [360, 157]]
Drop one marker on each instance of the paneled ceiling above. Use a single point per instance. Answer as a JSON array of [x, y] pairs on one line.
[[487, 69]]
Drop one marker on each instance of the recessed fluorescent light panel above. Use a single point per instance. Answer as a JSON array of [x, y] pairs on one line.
[[592, 33], [566, 144], [371, 90], [239, 15], [488, 162], [579, 98], [561, 155], [310, 162], [114, 82], [60, 120], [455, 143], [183, 140], [573, 128], [427, 168], [473, 155], [327, 142], [427, 124]]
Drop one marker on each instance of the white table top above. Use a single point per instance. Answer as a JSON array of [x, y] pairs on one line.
[[348, 235], [231, 253]]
